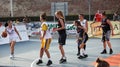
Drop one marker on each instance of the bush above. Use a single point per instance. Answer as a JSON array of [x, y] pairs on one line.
[[49, 18]]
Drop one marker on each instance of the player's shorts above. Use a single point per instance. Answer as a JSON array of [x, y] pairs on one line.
[[11, 38], [83, 39], [45, 43], [106, 36], [62, 39]]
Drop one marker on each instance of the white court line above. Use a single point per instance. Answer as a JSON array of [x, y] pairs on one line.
[[34, 62], [12, 62], [34, 40]]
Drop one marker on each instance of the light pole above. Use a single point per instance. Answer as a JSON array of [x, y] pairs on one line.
[[89, 3], [64, 10], [54, 10], [11, 8]]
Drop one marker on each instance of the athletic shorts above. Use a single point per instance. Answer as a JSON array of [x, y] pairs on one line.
[[45, 43], [106, 36], [12, 38], [83, 39], [62, 39]]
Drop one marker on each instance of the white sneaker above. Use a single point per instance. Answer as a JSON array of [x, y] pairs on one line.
[[11, 56]]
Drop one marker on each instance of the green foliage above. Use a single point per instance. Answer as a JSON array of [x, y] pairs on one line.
[[49, 18]]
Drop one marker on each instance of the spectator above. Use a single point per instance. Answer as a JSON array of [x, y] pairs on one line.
[[17, 21], [116, 17], [98, 17], [0, 24], [26, 19]]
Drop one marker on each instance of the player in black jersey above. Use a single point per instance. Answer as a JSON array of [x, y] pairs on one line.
[[107, 29], [62, 34]]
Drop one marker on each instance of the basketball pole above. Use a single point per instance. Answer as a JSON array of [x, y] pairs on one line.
[[89, 6], [11, 8], [54, 11]]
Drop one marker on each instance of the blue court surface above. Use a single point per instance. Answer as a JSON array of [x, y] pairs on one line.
[[27, 53]]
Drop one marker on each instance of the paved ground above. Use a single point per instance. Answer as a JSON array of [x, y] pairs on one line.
[[26, 52]]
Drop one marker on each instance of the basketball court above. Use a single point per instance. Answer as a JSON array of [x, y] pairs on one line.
[[27, 54]]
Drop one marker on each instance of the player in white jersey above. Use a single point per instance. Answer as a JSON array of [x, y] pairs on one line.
[[13, 35], [82, 47]]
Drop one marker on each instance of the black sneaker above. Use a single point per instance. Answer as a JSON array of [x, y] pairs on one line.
[[85, 55], [63, 60], [104, 51], [60, 60], [39, 62], [78, 54], [111, 51], [81, 57], [49, 63]]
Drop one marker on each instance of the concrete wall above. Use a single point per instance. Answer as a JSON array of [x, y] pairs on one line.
[[35, 7]]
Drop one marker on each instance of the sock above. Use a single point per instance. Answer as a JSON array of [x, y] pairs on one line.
[[48, 58], [64, 57], [81, 51], [40, 58], [78, 49], [84, 52]]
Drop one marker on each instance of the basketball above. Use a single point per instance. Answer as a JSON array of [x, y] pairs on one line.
[[4, 34]]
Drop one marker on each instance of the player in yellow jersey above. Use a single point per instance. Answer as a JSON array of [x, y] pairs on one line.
[[45, 38]]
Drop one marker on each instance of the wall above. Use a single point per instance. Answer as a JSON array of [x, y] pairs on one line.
[[35, 7]]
